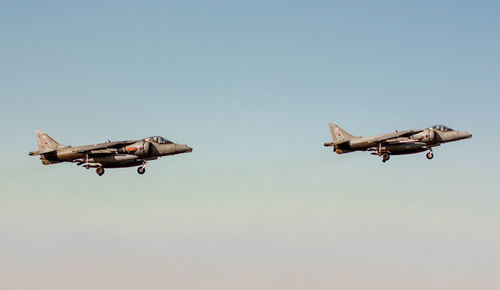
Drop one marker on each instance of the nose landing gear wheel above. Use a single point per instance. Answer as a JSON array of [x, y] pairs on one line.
[[99, 171], [141, 170], [385, 157], [429, 155]]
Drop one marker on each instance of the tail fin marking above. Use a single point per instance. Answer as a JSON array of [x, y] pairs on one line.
[[45, 142], [339, 135]]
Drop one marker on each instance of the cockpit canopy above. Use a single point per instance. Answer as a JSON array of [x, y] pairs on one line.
[[158, 139], [441, 128]]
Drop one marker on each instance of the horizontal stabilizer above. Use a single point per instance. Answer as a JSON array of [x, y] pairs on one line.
[[40, 152]]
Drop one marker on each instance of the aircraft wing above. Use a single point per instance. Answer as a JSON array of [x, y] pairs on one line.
[[402, 140], [395, 135], [103, 148], [103, 151]]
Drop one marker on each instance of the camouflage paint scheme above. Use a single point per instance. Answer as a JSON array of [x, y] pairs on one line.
[[116, 154], [395, 143]]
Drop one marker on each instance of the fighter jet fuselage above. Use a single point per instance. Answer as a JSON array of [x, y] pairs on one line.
[[395, 143], [116, 154]]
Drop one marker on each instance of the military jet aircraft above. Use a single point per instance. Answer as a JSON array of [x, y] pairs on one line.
[[107, 155], [395, 143]]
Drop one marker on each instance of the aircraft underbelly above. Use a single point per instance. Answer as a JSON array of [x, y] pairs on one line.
[[399, 149], [69, 155], [116, 160]]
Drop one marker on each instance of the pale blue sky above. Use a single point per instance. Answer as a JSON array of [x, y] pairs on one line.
[[251, 86]]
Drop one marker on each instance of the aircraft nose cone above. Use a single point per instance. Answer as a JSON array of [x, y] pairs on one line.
[[183, 148], [464, 135]]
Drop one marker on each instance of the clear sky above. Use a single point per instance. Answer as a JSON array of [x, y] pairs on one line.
[[251, 86]]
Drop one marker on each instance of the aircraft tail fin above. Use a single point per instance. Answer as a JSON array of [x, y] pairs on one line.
[[339, 135], [45, 142]]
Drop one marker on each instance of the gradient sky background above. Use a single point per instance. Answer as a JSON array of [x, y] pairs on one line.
[[251, 86]]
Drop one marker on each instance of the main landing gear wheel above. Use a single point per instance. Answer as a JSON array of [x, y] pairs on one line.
[[141, 170], [429, 155], [385, 157], [99, 171]]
